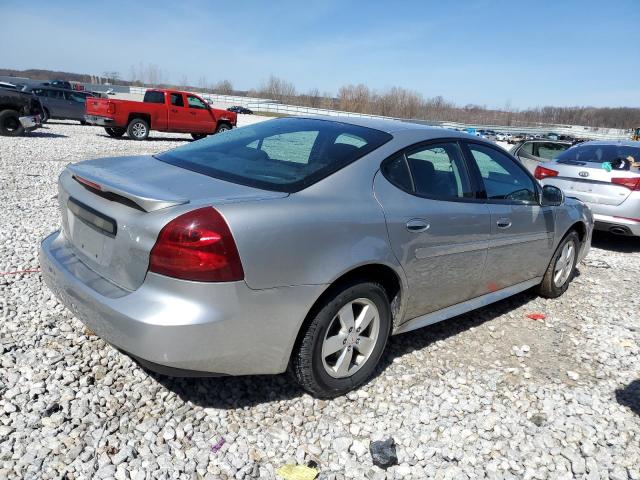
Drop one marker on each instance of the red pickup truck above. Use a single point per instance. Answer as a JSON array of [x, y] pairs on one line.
[[162, 110]]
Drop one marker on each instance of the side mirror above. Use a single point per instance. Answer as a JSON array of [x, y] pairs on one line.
[[551, 196]]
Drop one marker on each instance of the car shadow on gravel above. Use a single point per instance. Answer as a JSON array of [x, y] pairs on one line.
[[241, 392], [615, 243], [40, 134], [150, 139], [629, 396]]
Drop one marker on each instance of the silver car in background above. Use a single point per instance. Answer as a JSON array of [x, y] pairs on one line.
[[303, 243], [605, 175]]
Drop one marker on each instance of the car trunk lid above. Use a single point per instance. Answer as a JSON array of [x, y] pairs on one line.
[[590, 182], [113, 210]]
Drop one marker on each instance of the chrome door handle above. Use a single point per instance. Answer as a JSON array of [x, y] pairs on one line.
[[417, 225], [503, 223]]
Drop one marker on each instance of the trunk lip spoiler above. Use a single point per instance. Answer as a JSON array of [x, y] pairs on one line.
[[146, 196]]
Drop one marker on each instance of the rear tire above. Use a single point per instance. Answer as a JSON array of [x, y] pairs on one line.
[[198, 136], [138, 129], [339, 350], [10, 125], [115, 132], [223, 127], [562, 267]]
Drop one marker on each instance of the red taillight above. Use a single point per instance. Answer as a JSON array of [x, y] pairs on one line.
[[632, 183], [88, 183], [111, 108], [542, 172], [197, 246]]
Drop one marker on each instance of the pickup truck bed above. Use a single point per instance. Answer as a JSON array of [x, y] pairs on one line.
[[162, 110]]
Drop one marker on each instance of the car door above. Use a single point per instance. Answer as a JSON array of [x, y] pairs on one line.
[[75, 104], [521, 230], [178, 117], [437, 228], [200, 117]]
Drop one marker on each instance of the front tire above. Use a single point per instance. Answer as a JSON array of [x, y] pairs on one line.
[[46, 116], [561, 268], [115, 132], [138, 129], [198, 136], [10, 125], [344, 340]]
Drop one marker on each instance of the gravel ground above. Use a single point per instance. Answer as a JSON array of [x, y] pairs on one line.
[[488, 394]]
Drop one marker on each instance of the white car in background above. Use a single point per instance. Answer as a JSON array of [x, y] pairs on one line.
[[503, 137]]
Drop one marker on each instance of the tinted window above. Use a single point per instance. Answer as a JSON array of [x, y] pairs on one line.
[[195, 102], [526, 147], [286, 154], [153, 97], [176, 100], [397, 172], [76, 97], [503, 178], [549, 151], [438, 171], [598, 153]]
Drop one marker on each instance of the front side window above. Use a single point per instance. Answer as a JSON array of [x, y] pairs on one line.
[[286, 154], [503, 179], [195, 102]]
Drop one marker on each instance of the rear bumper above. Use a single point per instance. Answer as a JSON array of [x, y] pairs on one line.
[[30, 122], [222, 328], [617, 224], [100, 121]]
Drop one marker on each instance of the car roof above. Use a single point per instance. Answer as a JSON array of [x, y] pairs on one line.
[[620, 143], [392, 126]]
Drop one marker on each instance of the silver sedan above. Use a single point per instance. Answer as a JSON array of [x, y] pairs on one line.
[[303, 243]]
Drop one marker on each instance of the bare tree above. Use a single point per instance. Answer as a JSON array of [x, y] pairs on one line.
[[223, 87], [277, 89]]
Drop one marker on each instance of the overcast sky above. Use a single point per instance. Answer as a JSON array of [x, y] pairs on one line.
[[484, 52]]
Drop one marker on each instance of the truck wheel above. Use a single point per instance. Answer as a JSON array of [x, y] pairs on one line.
[[10, 125], [115, 132], [223, 127], [45, 115], [138, 129], [198, 136]]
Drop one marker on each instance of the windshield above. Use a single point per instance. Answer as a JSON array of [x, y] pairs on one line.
[[598, 153], [285, 154]]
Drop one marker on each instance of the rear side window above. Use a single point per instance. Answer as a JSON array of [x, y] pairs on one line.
[[549, 151], [151, 96], [599, 153], [285, 154], [503, 179], [435, 171], [527, 147]]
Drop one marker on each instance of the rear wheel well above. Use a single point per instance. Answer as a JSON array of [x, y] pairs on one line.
[[145, 116], [377, 273]]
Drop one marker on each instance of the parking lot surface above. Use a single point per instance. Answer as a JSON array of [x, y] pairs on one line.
[[491, 393]]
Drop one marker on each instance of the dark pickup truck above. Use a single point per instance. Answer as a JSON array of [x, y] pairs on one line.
[[19, 112]]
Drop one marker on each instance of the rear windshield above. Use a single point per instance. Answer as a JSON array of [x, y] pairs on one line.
[[153, 97], [285, 154], [596, 153]]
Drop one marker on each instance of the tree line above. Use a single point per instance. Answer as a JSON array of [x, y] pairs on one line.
[[395, 102]]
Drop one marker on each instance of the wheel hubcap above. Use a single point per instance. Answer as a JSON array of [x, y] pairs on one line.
[[564, 264], [350, 338], [139, 130]]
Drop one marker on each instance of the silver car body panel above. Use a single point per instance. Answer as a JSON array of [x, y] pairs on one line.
[[293, 247]]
